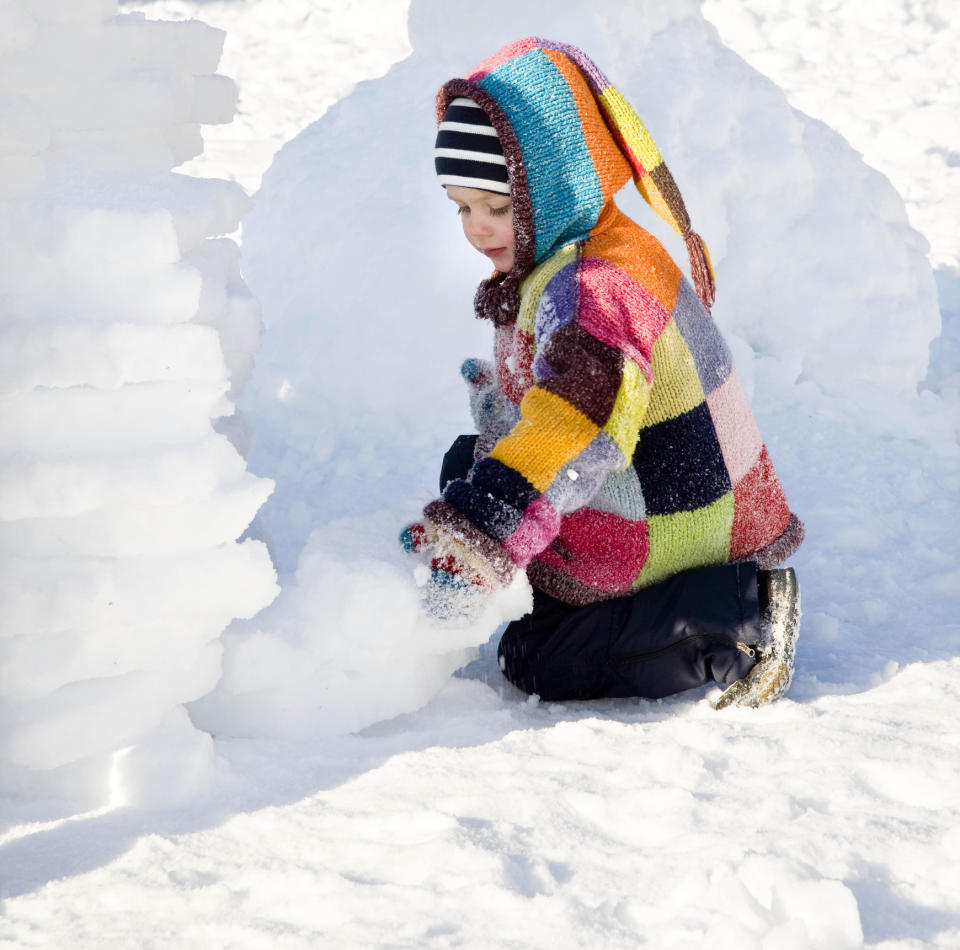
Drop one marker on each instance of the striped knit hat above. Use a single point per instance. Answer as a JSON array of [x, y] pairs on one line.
[[467, 150]]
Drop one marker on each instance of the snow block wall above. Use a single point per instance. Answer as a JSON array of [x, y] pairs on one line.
[[125, 329]]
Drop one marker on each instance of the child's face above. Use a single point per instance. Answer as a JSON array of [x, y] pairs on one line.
[[487, 220]]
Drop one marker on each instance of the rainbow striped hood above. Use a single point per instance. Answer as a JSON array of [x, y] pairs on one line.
[[571, 141]]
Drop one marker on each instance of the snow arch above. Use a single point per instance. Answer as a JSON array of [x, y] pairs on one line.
[[366, 294]]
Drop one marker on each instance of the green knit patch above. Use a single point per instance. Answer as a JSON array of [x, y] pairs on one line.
[[687, 539]]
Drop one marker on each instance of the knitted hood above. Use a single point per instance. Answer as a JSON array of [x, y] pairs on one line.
[[571, 142]]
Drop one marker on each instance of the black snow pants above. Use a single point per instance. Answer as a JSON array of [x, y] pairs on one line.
[[675, 635]]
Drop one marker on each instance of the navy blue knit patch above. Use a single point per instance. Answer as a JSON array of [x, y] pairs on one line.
[[503, 482], [491, 515], [680, 464], [711, 355]]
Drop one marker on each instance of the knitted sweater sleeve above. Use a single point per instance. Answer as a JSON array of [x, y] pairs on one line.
[[578, 423]]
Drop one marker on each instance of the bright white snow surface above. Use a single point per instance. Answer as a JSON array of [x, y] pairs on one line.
[[482, 819], [124, 325]]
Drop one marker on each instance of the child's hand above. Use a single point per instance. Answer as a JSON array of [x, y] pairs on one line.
[[477, 372], [454, 590], [491, 414]]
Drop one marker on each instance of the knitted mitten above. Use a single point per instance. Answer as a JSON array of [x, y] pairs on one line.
[[780, 612], [454, 590], [492, 414]]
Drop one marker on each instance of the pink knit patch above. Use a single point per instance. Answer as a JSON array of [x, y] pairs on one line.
[[737, 432], [539, 525], [599, 549], [498, 59], [618, 311], [760, 513]]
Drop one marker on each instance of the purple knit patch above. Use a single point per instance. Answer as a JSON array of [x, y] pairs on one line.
[[558, 304], [711, 355], [557, 309]]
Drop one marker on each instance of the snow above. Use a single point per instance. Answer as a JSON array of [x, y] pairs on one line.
[[115, 487], [354, 793]]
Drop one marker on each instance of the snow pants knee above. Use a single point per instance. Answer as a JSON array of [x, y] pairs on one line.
[[676, 635], [688, 630]]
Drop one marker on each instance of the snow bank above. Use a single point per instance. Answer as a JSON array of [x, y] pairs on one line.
[[124, 328], [366, 288]]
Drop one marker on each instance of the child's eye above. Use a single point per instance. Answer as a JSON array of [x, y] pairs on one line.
[[462, 209], [503, 209]]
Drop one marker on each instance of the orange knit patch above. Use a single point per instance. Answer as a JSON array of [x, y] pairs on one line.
[[637, 253], [611, 165]]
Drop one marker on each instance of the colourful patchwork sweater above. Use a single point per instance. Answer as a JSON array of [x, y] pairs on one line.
[[617, 446]]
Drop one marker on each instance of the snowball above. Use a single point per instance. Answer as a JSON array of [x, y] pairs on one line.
[[347, 645]]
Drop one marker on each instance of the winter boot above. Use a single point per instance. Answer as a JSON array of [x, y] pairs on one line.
[[780, 611]]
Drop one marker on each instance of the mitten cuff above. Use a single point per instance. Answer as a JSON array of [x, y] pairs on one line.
[[469, 543]]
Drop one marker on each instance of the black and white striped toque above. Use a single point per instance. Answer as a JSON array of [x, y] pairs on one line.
[[467, 150]]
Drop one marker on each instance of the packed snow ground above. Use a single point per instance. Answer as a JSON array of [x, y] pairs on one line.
[[483, 819]]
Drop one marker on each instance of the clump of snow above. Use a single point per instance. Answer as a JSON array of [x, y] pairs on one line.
[[124, 328], [347, 643]]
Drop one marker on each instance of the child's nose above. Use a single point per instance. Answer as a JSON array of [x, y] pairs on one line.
[[479, 225]]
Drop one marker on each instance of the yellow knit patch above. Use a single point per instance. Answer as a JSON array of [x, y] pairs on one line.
[[549, 434], [628, 410], [676, 385], [631, 127], [688, 539], [531, 290]]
